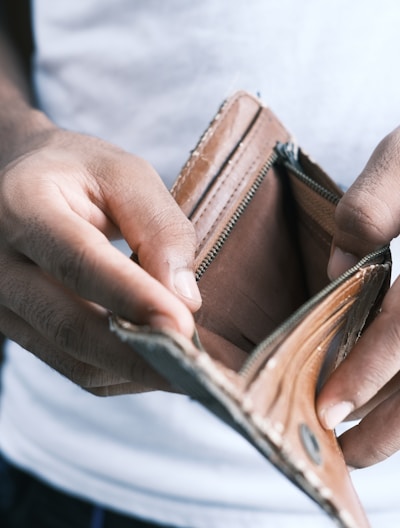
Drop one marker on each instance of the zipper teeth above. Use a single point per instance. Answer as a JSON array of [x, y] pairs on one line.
[[279, 153], [213, 252], [299, 314], [322, 191]]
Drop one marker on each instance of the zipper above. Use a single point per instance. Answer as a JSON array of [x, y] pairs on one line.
[[287, 154], [298, 315], [224, 235]]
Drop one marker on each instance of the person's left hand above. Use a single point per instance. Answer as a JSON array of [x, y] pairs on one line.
[[366, 385], [63, 196]]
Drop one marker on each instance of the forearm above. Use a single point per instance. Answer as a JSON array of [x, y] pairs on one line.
[[20, 122]]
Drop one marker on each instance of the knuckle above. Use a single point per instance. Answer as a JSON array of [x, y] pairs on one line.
[[64, 334], [72, 270], [366, 217], [369, 211], [170, 228], [68, 333], [120, 175]]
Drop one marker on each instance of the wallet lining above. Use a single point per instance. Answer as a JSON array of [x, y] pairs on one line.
[[271, 262]]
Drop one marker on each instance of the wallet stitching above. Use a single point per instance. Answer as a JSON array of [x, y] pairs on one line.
[[225, 176], [218, 121]]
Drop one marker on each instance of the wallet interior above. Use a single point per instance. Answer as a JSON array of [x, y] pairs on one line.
[[273, 261]]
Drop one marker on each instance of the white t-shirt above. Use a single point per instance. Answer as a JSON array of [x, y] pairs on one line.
[[149, 76]]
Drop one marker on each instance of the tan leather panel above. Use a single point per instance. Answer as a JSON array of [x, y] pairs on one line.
[[322, 212], [217, 144], [235, 179]]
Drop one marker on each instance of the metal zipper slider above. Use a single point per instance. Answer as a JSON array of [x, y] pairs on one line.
[[289, 153]]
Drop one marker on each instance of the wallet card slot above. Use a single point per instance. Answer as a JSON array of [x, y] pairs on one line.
[[315, 200], [315, 228], [320, 209]]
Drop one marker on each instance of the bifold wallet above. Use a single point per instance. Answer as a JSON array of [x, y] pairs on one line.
[[272, 326]]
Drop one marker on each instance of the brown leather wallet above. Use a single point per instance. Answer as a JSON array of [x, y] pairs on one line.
[[272, 326]]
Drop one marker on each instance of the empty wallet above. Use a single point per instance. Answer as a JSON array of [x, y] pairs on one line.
[[272, 326]]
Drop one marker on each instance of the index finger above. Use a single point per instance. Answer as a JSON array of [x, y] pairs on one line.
[[80, 257]]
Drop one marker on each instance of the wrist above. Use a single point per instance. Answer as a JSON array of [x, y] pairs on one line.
[[22, 129]]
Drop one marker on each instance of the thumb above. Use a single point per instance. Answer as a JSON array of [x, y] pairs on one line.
[[158, 232], [167, 250], [368, 215]]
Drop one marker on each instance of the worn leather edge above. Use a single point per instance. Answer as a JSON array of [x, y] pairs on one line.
[[221, 138]]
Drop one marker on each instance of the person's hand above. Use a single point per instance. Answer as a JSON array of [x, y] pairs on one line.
[[366, 385], [63, 195]]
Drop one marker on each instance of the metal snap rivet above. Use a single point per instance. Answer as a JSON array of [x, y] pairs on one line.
[[310, 444]]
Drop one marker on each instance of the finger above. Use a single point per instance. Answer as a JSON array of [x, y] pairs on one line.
[[383, 394], [66, 324], [368, 215], [372, 363], [28, 338], [81, 257], [376, 437], [91, 378], [153, 224]]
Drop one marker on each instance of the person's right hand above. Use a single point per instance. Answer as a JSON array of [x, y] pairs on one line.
[[366, 384], [63, 195]]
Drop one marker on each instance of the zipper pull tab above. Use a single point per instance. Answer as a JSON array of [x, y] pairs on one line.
[[288, 152]]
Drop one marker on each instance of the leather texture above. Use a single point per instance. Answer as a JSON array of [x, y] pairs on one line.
[[271, 326]]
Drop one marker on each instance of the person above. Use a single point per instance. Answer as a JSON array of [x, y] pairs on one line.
[[115, 84]]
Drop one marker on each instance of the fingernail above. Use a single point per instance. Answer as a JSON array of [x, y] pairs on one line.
[[186, 285], [334, 415], [340, 262]]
